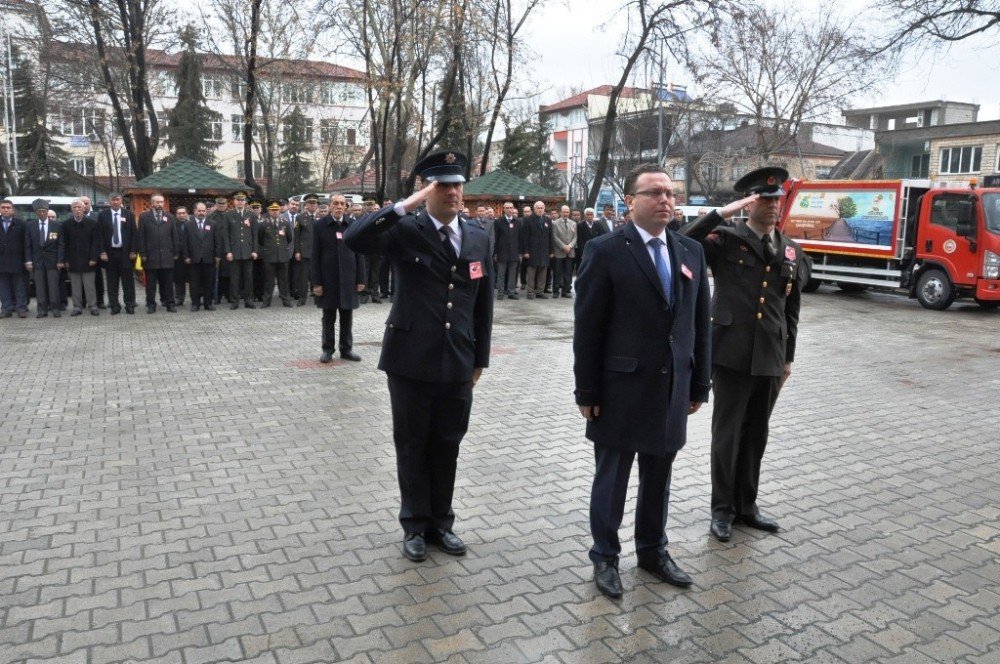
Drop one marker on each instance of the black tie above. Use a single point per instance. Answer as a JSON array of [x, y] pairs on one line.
[[116, 240], [449, 248], [201, 226], [769, 254], [41, 230]]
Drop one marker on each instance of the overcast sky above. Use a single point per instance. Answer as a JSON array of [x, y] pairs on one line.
[[575, 41]]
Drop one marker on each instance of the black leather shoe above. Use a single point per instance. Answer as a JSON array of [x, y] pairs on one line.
[[326, 357], [249, 305], [171, 309], [759, 522], [607, 579], [95, 312], [301, 303], [115, 311], [514, 296], [350, 355], [664, 568], [42, 314], [721, 530], [447, 541], [130, 310], [76, 312], [57, 314], [195, 307], [209, 307], [415, 548], [234, 305]]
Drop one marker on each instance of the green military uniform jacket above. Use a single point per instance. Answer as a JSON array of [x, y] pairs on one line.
[[274, 239], [241, 234]]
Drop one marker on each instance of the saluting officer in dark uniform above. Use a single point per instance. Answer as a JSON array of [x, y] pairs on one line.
[[758, 278], [275, 249], [241, 250], [437, 341]]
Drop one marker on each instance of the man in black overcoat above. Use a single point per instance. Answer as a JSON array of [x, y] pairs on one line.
[[507, 231], [338, 276], [436, 344], [13, 277], [536, 250], [642, 350], [759, 273], [120, 238], [159, 246], [202, 252]]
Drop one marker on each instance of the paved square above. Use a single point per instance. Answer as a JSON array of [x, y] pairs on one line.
[[193, 488]]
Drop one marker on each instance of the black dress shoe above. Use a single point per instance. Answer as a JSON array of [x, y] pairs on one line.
[[209, 307], [76, 312], [759, 522], [301, 303], [514, 296], [286, 303], [130, 310], [57, 314], [663, 567], [115, 310], [447, 541], [721, 530], [607, 579], [95, 312], [171, 309], [415, 548], [350, 355], [326, 357], [249, 305], [195, 307], [234, 305], [101, 305]]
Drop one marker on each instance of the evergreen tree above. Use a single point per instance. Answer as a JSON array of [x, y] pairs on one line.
[[526, 154], [293, 158], [461, 132], [189, 125], [42, 161]]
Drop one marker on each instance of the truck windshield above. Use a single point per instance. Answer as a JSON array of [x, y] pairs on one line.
[[991, 203]]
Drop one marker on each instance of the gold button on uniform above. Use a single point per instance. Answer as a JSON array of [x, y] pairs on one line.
[[451, 286], [759, 315], [764, 285], [447, 326], [453, 268], [449, 305], [762, 300], [741, 261], [767, 268]]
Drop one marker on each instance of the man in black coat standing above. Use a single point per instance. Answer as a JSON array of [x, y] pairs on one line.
[[120, 237], [45, 251], [338, 276], [642, 351], [759, 276], [202, 251], [507, 231], [82, 242], [159, 246], [13, 277], [536, 250], [586, 230], [437, 341]]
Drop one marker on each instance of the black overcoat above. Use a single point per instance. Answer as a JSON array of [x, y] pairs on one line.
[[82, 240], [334, 266], [536, 240]]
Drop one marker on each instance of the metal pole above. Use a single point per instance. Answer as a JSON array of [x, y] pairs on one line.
[[13, 111]]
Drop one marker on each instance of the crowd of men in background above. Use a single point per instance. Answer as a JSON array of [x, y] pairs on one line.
[[217, 251]]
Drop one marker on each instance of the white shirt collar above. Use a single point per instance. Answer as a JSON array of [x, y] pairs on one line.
[[646, 237], [455, 226]]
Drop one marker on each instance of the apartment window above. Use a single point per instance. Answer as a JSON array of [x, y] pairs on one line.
[[125, 167], [352, 137], [740, 171], [216, 128], [237, 127], [328, 130], [920, 165], [82, 165], [237, 88], [680, 174], [211, 86], [258, 168], [823, 172], [77, 122], [710, 172], [297, 93], [326, 94], [967, 159], [307, 129]]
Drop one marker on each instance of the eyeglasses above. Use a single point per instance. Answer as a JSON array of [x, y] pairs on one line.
[[655, 193]]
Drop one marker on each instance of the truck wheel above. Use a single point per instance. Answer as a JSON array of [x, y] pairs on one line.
[[851, 288], [934, 290], [989, 305], [811, 286]]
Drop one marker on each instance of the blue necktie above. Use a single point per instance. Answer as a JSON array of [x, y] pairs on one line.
[[662, 268]]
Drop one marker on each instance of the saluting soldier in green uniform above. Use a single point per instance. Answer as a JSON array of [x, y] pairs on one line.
[[758, 275], [303, 243], [275, 248]]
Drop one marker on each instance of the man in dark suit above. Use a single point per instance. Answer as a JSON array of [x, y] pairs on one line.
[[536, 250], [338, 276], [119, 236], [373, 265], [507, 231], [642, 360], [437, 341], [91, 213], [82, 242], [275, 248], [241, 252], [159, 246], [202, 251], [181, 276], [755, 309], [586, 230], [13, 278], [304, 233], [45, 250], [217, 219]]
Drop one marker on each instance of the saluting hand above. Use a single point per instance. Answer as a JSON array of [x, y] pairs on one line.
[[728, 211], [418, 197]]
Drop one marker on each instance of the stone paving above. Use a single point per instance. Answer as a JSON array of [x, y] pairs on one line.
[[188, 488]]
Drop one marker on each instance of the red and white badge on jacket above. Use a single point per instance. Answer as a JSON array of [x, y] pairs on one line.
[[340, 236], [475, 270], [686, 271], [790, 253]]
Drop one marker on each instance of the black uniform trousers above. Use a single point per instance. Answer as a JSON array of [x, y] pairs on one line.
[[428, 423], [607, 501], [181, 279], [275, 272], [202, 277], [241, 280], [385, 278], [302, 274], [743, 405], [258, 280], [98, 285], [293, 278], [374, 263], [562, 274], [329, 335], [120, 273], [47, 283], [165, 278]]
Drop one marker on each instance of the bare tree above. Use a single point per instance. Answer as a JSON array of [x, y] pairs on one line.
[[941, 20], [781, 67], [652, 25], [121, 32]]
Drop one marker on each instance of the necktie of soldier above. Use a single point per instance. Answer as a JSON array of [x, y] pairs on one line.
[[446, 233], [41, 230], [662, 268], [769, 254]]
